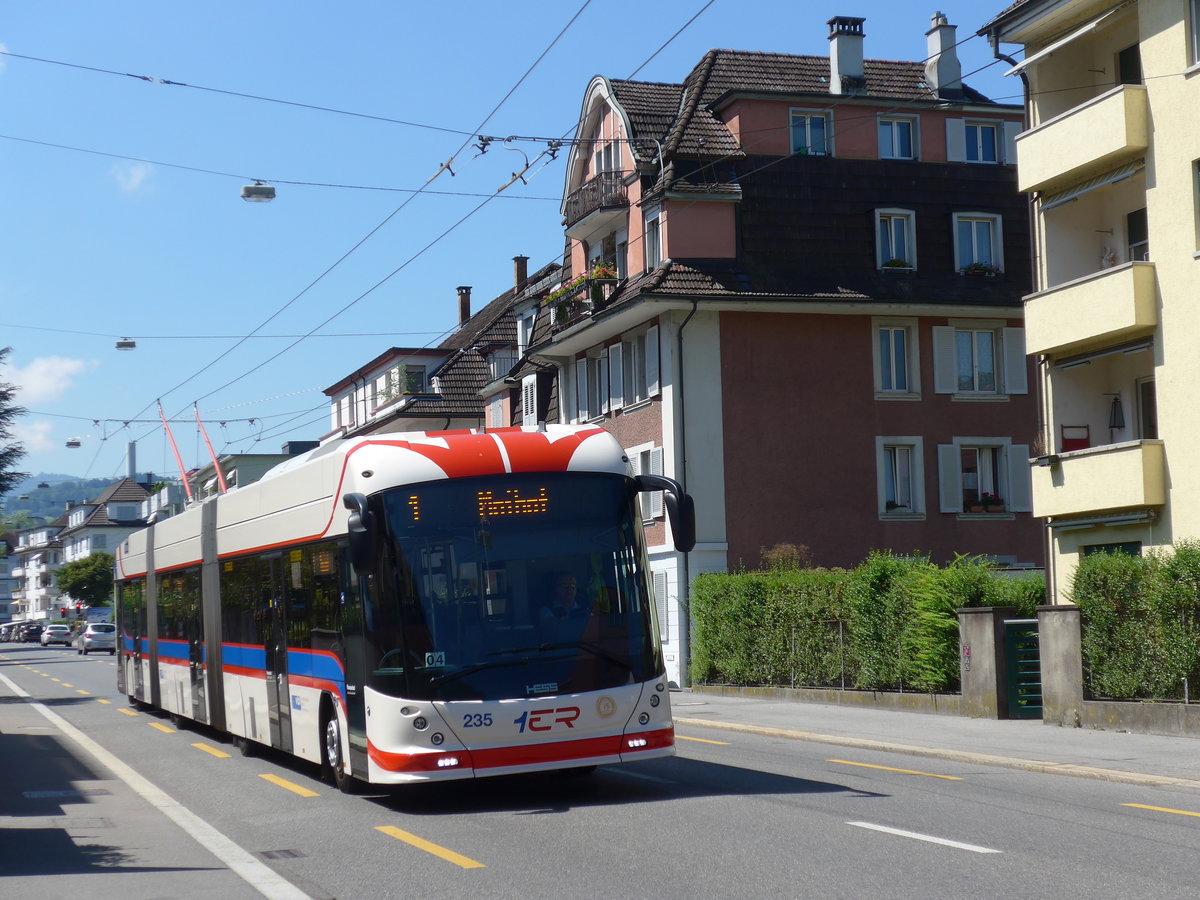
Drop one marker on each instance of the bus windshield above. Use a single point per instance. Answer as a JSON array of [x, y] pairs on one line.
[[510, 586]]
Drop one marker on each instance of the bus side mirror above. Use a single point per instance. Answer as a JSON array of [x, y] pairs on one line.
[[360, 528], [681, 509]]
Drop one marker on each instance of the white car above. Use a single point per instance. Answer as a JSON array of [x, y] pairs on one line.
[[97, 636], [57, 634]]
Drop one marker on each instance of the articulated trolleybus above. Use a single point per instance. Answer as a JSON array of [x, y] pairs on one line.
[[399, 607]]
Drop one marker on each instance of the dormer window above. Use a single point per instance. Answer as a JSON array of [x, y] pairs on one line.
[[810, 131]]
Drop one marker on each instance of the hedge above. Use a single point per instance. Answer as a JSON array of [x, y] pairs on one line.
[[888, 624], [1139, 618]]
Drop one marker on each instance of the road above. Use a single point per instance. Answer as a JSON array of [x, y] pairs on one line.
[[733, 815]]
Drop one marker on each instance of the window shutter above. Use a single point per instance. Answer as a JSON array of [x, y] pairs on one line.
[[656, 468], [1011, 130], [652, 377], [956, 140], [949, 479], [616, 371], [529, 400], [1020, 480], [660, 603], [581, 389], [1016, 377], [945, 368], [602, 384]]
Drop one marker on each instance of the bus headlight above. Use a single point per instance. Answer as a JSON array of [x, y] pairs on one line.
[[654, 701], [436, 739], [644, 718], [420, 723]]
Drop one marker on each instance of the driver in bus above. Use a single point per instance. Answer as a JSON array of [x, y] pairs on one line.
[[563, 617]]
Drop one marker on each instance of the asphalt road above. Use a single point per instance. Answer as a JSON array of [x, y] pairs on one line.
[[733, 815]]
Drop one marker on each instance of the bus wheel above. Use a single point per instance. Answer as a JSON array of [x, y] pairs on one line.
[[244, 746], [332, 756]]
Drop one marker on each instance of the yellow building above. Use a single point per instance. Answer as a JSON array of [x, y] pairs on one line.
[[1110, 159]]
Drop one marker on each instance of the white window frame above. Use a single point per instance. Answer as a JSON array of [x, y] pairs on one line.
[[597, 383], [891, 152], [648, 459], [1012, 482], [888, 450], [1008, 350], [652, 237], [807, 115], [997, 238], [884, 369], [1193, 32], [973, 141], [525, 323], [905, 219], [640, 366]]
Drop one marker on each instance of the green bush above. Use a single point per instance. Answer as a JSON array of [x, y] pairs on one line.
[[890, 623], [1139, 620]]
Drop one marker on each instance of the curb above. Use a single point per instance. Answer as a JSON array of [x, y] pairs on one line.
[[984, 759]]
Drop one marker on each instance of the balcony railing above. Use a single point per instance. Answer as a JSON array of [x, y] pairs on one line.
[[1128, 475], [605, 190], [582, 298], [1083, 141], [500, 364], [1098, 310]]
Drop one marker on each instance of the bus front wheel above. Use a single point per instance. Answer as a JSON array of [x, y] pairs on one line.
[[334, 764]]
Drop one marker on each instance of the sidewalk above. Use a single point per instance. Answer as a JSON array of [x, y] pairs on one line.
[[68, 814], [1018, 744]]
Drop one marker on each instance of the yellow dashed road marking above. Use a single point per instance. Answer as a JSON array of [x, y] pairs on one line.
[[421, 844]]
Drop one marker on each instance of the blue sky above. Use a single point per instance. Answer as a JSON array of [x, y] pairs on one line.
[[159, 247]]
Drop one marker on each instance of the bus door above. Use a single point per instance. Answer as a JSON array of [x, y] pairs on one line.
[[195, 640], [274, 617]]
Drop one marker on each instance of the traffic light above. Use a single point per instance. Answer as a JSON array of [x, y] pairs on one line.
[[62, 610]]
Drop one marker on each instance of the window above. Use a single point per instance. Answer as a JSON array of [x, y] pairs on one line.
[[1194, 31], [1147, 409], [982, 142], [653, 238], [977, 240], [896, 244], [646, 459], [984, 475], [979, 359], [810, 133], [900, 476], [897, 138], [639, 360], [525, 330], [414, 379], [495, 412], [591, 385], [1137, 232], [895, 356], [1127, 548], [1129, 65]]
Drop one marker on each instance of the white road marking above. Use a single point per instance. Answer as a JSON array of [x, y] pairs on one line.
[[945, 842], [255, 873]]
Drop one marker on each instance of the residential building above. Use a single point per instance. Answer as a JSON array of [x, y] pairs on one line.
[[39, 555], [1111, 163], [794, 284], [8, 583]]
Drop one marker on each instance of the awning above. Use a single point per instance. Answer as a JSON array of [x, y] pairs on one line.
[[1137, 518], [1083, 359], [1111, 177], [1063, 41]]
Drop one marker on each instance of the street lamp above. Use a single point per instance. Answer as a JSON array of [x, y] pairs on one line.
[[126, 344], [258, 192]]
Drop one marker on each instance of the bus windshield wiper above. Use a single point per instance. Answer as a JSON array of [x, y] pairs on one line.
[[471, 670]]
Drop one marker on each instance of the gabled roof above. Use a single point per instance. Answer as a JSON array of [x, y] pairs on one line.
[[124, 491]]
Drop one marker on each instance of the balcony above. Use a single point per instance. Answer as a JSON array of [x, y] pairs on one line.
[[1114, 476], [591, 208], [1083, 141], [1098, 310], [579, 299]]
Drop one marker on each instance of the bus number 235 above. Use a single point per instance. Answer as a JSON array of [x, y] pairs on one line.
[[546, 719]]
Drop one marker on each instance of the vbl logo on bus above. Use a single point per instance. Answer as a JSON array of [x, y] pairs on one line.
[[546, 719]]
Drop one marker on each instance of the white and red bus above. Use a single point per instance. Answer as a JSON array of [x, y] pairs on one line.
[[382, 606]]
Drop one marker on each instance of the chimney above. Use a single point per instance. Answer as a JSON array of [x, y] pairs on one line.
[[464, 304], [846, 54], [520, 272], [943, 73]]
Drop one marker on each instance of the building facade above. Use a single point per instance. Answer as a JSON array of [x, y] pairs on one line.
[[1111, 164], [794, 284]]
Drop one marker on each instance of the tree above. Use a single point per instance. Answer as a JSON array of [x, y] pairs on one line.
[[10, 450], [88, 580]]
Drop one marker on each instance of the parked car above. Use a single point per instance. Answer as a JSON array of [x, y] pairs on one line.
[[56, 634], [97, 636], [30, 634]]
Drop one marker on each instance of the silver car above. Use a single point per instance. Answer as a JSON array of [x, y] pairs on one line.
[[56, 634], [97, 636]]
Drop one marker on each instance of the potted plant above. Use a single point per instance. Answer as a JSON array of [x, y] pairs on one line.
[[992, 503], [982, 270], [896, 263]]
